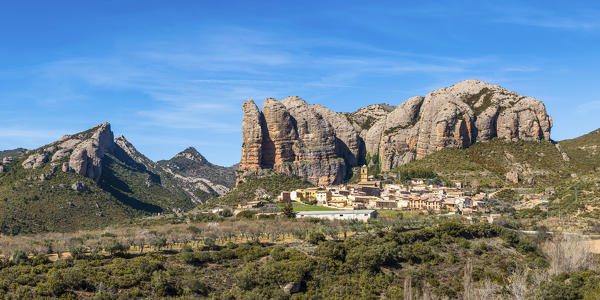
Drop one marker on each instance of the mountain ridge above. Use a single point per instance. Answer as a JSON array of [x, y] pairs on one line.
[[313, 142], [91, 179]]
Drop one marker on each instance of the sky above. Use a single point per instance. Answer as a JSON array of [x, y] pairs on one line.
[[173, 74]]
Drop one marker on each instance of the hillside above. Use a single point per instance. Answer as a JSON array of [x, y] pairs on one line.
[[584, 151], [500, 163], [266, 187], [89, 180], [416, 257]]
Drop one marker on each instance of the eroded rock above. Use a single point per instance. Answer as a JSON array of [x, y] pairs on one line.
[[310, 141], [35, 161]]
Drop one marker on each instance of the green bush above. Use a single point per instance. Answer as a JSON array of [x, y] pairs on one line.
[[78, 251], [248, 214], [316, 237]]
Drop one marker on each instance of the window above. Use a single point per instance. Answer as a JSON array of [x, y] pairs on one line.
[[341, 215]]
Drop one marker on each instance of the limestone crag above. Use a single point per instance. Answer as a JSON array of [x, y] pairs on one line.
[[252, 136], [35, 160], [295, 138], [311, 141], [86, 159]]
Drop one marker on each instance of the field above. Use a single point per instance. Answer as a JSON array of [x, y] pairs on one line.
[[303, 207]]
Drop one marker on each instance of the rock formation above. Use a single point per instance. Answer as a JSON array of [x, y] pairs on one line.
[[313, 142], [86, 158], [35, 160], [293, 137]]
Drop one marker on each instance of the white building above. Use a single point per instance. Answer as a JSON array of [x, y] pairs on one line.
[[362, 215]]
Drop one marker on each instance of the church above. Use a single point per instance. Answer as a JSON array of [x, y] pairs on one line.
[[369, 187]]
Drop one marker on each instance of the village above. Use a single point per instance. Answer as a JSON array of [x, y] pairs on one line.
[[368, 195]]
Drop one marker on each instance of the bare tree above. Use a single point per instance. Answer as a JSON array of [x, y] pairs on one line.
[[485, 291], [517, 284], [468, 280], [569, 253]]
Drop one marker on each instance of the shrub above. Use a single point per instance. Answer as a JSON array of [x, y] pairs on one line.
[[248, 214], [116, 248], [78, 251], [194, 229], [162, 285], [40, 259], [20, 257], [226, 213], [159, 243], [315, 237]]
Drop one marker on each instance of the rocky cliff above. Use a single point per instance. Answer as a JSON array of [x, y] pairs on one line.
[[311, 141]]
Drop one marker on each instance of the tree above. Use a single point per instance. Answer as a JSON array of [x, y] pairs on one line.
[[316, 237], [288, 210], [116, 248], [158, 243]]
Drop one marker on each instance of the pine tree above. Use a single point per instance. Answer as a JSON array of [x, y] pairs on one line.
[[288, 210]]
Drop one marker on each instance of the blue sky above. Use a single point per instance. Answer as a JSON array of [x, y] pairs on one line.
[[174, 74]]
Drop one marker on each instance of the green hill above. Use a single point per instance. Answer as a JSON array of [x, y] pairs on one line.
[[584, 151], [270, 185], [42, 198], [535, 163]]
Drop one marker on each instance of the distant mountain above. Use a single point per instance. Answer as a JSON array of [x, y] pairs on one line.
[[198, 176], [12, 153], [89, 179]]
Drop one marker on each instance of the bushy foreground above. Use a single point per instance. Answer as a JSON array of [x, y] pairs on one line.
[[445, 260]]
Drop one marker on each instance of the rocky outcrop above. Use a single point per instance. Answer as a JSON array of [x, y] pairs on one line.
[[35, 160], [79, 186], [86, 159], [297, 139], [311, 141], [252, 136]]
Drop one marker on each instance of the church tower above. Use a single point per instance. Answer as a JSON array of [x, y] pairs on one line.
[[364, 174]]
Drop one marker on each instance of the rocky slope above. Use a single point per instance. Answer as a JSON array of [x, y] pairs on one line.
[[198, 176], [90, 179], [310, 141]]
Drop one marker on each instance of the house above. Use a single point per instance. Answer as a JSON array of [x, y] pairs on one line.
[[402, 204], [285, 197], [361, 215], [338, 201], [323, 197], [378, 203], [307, 195]]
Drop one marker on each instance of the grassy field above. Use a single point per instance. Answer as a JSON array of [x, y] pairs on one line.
[[397, 213], [304, 207]]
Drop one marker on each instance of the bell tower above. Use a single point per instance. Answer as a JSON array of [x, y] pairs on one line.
[[364, 174]]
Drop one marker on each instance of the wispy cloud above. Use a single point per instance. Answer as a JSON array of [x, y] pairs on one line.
[[568, 17], [550, 22], [589, 108]]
